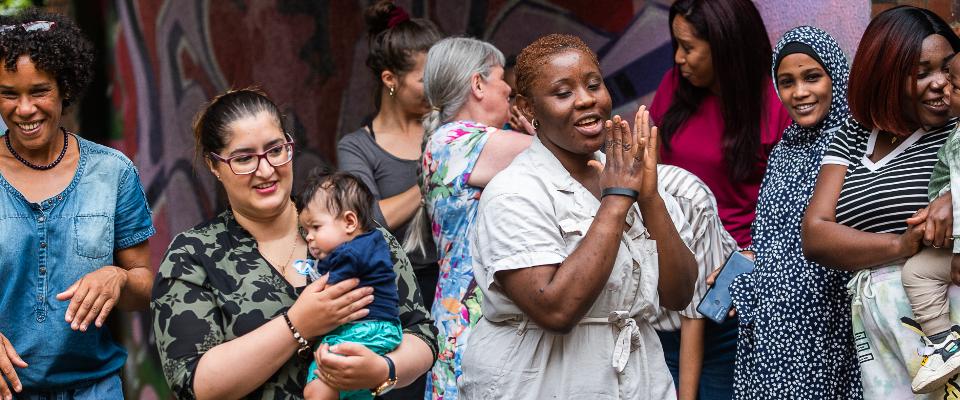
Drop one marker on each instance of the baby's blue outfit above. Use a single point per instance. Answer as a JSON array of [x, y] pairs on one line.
[[366, 257]]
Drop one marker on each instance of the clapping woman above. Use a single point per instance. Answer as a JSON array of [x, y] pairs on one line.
[[574, 250]]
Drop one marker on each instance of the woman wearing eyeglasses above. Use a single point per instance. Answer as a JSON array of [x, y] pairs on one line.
[[74, 223], [232, 316]]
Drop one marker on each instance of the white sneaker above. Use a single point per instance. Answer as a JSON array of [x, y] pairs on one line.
[[940, 362]]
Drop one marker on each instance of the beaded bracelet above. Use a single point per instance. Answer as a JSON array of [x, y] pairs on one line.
[[304, 350]]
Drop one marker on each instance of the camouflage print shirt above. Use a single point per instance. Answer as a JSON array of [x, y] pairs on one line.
[[214, 286]]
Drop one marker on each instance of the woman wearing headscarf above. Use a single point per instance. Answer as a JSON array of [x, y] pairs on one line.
[[795, 334]]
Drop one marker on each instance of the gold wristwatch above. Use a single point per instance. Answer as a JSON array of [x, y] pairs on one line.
[[391, 381]]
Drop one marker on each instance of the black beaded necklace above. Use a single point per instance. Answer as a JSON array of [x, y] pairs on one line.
[[22, 160]]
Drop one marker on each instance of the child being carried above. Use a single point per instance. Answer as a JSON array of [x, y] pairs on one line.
[[928, 274], [336, 212]]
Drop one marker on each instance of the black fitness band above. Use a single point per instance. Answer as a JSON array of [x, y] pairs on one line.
[[619, 191]]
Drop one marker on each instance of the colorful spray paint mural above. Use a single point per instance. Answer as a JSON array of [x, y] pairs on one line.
[[168, 57]]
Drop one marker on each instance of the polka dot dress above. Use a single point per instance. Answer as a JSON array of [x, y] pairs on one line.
[[795, 338]]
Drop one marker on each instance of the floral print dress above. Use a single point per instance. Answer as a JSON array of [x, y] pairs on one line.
[[448, 159]]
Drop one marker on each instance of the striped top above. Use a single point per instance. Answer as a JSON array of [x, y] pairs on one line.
[[711, 242], [878, 197]]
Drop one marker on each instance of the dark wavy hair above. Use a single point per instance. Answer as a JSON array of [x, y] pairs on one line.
[[888, 56], [393, 48], [61, 51], [339, 192], [741, 61], [210, 125]]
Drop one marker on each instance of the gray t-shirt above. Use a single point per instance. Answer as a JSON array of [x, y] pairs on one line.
[[385, 174]]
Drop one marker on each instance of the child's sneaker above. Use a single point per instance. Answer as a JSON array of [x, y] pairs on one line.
[[940, 362]]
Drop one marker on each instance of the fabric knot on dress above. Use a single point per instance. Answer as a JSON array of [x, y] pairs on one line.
[[627, 341]]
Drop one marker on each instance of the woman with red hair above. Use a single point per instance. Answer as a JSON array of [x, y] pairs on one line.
[[574, 249], [874, 179]]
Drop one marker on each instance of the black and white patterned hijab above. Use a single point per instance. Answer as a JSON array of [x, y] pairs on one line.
[[833, 61]]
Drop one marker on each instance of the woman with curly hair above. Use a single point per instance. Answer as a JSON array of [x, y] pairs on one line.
[[75, 223]]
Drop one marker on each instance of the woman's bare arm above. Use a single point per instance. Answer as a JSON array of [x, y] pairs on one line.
[[398, 209], [555, 296], [499, 151], [235, 368], [837, 246], [691, 357], [677, 265]]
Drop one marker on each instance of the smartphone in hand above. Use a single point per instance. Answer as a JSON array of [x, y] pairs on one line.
[[716, 303]]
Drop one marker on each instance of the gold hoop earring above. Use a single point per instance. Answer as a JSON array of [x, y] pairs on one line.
[[393, 91]]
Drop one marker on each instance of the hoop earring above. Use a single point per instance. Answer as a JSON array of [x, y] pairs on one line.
[[535, 123], [393, 91]]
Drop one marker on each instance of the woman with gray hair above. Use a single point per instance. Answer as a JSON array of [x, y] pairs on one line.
[[463, 150]]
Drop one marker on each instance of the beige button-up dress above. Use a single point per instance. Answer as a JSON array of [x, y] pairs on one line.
[[534, 213]]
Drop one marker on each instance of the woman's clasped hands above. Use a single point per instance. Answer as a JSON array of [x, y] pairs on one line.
[[631, 156]]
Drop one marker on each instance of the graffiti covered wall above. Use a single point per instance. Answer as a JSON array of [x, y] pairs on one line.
[[169, 57]]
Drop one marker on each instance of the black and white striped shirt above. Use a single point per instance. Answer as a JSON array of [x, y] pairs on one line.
[[879, 196], [711, 244]]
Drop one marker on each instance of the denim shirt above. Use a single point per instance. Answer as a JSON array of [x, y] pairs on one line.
[[45, 247]]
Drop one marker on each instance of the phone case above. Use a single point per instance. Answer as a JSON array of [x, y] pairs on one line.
[[716, 302]]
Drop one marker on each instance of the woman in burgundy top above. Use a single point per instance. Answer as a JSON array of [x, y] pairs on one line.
[[719, 117], [721, 132]]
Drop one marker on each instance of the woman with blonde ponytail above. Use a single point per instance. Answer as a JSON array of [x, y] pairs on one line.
[[463, 149]]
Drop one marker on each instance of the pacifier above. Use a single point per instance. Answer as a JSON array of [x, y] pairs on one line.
[[306, 268]]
